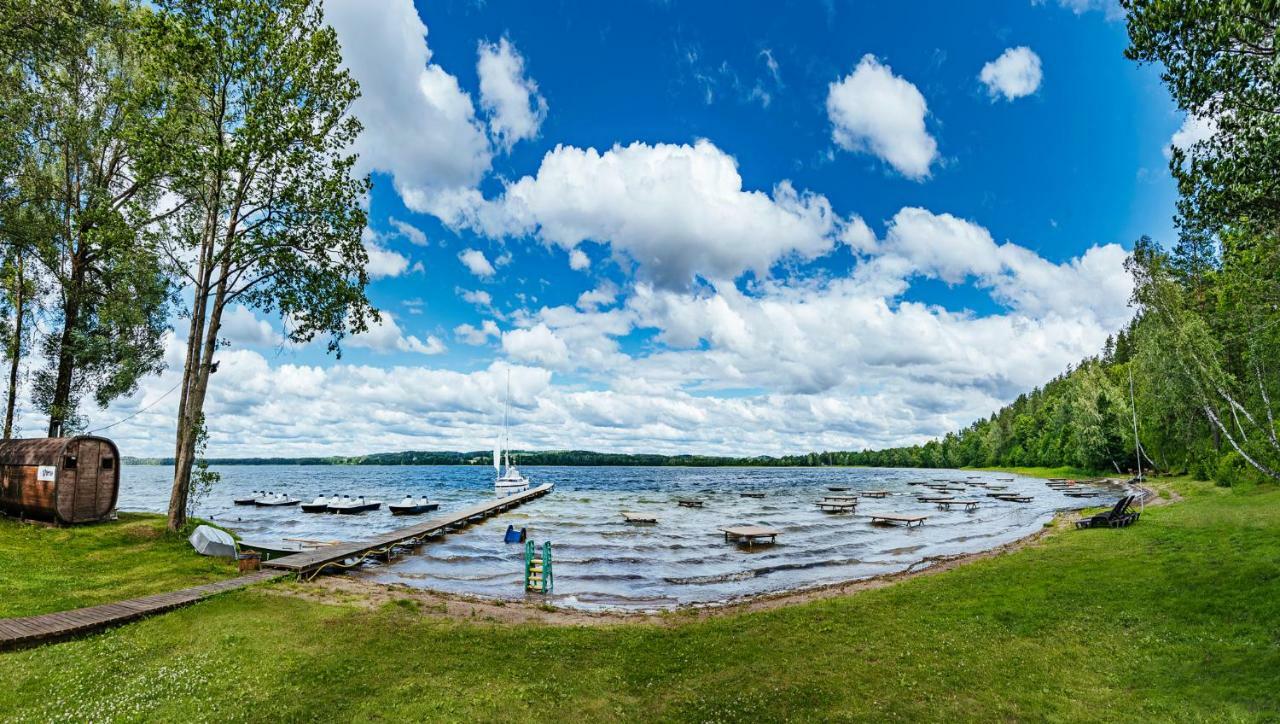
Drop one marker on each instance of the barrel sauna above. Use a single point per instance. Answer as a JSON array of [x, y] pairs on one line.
[[62, 479]]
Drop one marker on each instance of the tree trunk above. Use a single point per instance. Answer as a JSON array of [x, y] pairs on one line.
[[196, 371], [15, 350], [60, 406]]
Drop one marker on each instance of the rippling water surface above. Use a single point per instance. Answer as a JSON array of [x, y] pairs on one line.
[[602, 562]]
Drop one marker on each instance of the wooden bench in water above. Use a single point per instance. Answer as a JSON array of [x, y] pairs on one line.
[[689, 503], [347, 555], [752, 495], [837, 506], [934, 499], [891, 518], [640, 517], [875, 493], [749, 534], [1015, 498], [968, 505]]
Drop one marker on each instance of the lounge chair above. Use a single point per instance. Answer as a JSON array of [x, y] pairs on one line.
[[1119, 516]]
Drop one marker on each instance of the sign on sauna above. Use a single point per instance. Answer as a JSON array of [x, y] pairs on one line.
[[47, 473]]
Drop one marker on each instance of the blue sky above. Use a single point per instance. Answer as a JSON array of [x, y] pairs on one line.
[[781, 228]]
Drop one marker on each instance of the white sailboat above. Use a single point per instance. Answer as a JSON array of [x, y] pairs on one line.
[[508, 481]]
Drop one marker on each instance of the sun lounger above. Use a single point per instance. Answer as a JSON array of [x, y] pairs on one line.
[[1121, 515]]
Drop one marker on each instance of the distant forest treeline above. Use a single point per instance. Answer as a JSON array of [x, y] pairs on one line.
[[545, 457]]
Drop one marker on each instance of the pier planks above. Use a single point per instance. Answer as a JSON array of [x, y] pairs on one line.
[[314, 561]]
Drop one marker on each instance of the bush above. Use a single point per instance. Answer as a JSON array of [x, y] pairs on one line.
[[1234, 472]]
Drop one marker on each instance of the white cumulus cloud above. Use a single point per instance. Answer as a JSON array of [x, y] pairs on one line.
[[1193, 130], [383, 262], [476, 336], [537, 345], [408, 231], [511, 100], [386, 336], [874, 111], [420, 126], [676, 211], [476, 262], [1016, 73]]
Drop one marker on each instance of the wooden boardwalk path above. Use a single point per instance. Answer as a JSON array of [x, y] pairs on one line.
[[346, 555], [16, 632]]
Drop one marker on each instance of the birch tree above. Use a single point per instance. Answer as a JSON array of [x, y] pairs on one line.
[[273, 215]]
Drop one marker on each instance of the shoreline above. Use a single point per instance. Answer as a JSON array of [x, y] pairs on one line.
[[348, 590]]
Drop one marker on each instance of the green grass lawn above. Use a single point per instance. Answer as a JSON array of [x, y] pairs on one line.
[[1175, 618], [45, 569]]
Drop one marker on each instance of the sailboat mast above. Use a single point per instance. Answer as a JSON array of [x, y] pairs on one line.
[[506, 434]]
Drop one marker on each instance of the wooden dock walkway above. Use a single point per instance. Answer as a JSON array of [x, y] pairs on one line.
[[17, 632], [349, 554]]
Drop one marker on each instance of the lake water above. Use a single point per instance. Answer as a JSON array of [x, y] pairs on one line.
[[601, 562]]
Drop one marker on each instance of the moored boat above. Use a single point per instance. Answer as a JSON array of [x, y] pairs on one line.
[[409, 506], [274, 500], [350, 505], [249, 500], [320, 504], [508, 481]]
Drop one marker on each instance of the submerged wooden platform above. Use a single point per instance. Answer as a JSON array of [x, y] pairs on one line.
[[685, 503], [16, 632], [349, 554], [640, 517], [749, 534], [889, 518], [966, 504], [837, 506], [752, 495]]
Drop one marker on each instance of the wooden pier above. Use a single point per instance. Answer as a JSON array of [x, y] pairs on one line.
[[18, 632], [347, 555], [890, 518], [749, 534]]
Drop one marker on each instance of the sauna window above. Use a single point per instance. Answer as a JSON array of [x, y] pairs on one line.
[[69, 462], [108, 463]]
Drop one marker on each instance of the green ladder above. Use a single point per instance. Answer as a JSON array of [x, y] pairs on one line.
[[537, 568]]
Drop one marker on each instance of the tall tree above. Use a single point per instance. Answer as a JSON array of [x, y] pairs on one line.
[[94, 136], [274, 215], [1219, 63]]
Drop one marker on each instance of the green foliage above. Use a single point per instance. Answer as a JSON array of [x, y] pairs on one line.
[[93, 125]]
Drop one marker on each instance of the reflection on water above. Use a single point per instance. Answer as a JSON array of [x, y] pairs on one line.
[[601, 561]]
